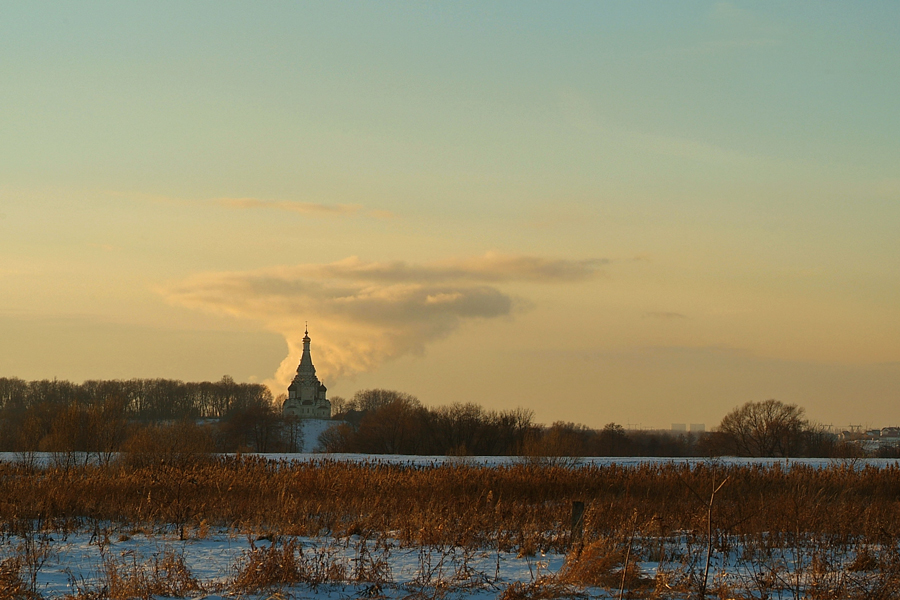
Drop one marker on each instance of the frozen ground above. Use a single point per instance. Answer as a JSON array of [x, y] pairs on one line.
[[46, 459], [76, 563], [80, 563], [312, 429], [490, 461]]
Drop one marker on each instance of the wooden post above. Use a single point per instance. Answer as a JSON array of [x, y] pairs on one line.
[[577, 521]]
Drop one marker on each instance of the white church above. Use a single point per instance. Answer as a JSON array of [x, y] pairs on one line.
[[306, 394]]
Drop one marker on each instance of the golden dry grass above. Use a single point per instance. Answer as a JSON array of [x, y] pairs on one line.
[[644, 510], [507, 506]]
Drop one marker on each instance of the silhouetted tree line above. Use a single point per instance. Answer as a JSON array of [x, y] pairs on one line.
[[103, 417], [167, 419], [389, 422], [142, 399], [771, 428]]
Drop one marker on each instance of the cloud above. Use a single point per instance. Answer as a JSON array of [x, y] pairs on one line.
[[363, 313], [313, 208], [489, 268], [304, 208]]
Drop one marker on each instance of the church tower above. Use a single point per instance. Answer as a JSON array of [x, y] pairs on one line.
[[306, 394]]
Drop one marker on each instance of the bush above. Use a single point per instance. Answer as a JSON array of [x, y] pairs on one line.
[[179, 444]]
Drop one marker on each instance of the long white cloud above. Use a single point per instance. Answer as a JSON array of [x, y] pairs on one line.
[[364, 313]]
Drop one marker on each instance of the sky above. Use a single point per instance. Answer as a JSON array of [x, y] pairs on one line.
[[643, 213]]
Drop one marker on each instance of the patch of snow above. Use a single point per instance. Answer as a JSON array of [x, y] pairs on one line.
[[75, 562], [312, 452], [312, 429], [600, 461]]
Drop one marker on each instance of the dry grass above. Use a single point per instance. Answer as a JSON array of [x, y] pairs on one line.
[[269, 567], [507, 506], [131, 576], [285, 563], [12, 586], [843, 523], [602, 563], [542, 589]]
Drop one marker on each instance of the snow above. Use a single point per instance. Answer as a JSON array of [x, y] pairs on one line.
[[622, 461], [75, 562], [312, 429], [65, 564]]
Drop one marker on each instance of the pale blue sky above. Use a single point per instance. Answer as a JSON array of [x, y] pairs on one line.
[[735, 165]]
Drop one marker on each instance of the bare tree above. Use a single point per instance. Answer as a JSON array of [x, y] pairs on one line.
[[393, 428], [369, 400], [768, 428], [613, 441], [338, 405]]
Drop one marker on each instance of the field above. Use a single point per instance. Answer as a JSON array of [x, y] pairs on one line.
[[255, 527]]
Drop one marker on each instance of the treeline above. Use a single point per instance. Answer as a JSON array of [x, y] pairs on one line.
[[142, 399], [171, 418], [157, 416], [389, 422], [771, 428]]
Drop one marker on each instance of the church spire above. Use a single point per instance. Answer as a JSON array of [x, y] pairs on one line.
[[306, 394], [306, 367]]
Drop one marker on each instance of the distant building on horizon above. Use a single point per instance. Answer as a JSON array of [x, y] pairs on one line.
[[694, 428], [306, 394]]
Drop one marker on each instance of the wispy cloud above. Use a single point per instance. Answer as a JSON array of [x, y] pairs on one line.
[[362, 312], [306, 208], [489, 268]]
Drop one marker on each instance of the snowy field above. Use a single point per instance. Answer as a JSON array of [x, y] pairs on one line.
[[86, 566], [624, 461], [47, 459], [90, 563], [83, 563]]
